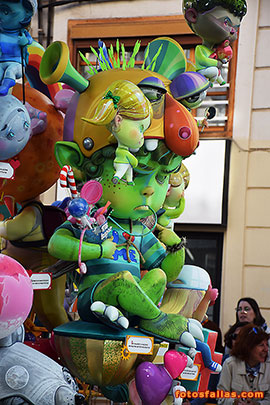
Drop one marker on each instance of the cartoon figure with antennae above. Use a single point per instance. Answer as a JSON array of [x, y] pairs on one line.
[[15, 16], [127, 113]]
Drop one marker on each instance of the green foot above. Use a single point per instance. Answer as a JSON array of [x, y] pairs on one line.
[[109, 315], [171, 327]]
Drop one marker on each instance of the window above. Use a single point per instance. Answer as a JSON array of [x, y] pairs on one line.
[[85, 33], [204, 249], [206, 197]]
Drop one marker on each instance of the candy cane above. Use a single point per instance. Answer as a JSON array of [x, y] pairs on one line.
[[67, 180], [63, 175]]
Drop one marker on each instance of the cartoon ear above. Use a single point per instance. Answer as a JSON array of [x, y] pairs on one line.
[[117, 120], [191, 15], [68, 153]]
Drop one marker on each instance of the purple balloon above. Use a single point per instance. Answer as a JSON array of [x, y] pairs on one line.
[[153, 383]]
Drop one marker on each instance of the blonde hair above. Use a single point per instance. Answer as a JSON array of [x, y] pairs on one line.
[[181, 301], [121, 97]]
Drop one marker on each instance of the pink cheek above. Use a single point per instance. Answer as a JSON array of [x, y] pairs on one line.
[[134, 134]]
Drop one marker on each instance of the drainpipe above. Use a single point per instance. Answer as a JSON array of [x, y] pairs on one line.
[[41, 34]]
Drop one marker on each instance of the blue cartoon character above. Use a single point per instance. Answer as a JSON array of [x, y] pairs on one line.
[[15, 16], [18, 122], [15, 127]]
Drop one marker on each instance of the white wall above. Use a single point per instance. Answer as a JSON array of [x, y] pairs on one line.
[[136, 8], [246, 270]]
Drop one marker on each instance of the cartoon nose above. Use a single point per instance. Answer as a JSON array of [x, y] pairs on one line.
[[180, 128], [148, 191], [232, 31]]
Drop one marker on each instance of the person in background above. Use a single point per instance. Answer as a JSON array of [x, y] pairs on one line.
[[247, 369], [247, 310], [230, 338], [208, 324]]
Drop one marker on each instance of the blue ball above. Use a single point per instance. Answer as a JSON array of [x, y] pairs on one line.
[[78, 207]]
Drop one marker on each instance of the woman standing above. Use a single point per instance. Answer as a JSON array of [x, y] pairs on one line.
[[247, 370]]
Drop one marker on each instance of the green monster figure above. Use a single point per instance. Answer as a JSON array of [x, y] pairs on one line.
[[214, 21], [112, 285]]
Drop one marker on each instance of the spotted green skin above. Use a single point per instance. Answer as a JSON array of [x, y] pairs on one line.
[[125, 198], [129, 294]]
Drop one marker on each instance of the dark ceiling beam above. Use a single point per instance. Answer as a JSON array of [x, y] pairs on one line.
[[56, 3], [50, 5]]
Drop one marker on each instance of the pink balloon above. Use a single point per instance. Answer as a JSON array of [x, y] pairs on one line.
[[175, 362], [16, 295]]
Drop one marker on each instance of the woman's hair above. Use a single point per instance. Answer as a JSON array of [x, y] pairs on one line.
[[121, 97], [259, 319], [248, 337], [229, 335]]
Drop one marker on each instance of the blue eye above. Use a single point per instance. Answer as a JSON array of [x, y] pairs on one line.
[[227, 21], [10, 135], [4, 10], [26, 125]]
